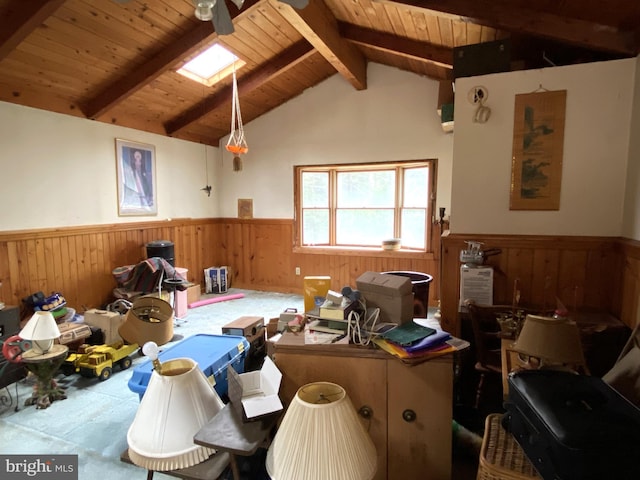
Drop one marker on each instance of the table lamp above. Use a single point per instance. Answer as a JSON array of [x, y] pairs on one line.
[[41, 330], [321, 437], [177, 403], [553, 341]]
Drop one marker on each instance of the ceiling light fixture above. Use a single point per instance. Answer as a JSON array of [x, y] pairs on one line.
[[203, 10], [219, 14]]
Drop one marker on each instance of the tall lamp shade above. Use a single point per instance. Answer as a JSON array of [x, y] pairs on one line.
[[321, 437], [553, 341], [177, 402], [42, 330]]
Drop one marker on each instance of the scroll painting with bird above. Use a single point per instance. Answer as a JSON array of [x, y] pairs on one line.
[[538, 137]]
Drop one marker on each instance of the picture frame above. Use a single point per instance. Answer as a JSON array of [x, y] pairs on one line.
[[538, 139], [245, 208], [136, 178]]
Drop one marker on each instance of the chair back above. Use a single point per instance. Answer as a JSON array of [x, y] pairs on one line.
[[486, 331]]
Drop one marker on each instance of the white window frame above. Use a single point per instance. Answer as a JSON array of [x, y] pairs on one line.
[[333, 169]]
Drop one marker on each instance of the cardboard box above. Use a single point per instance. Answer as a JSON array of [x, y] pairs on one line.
[[71, 332], [272, 327], [193, 293], [216, 279], [289, 315], [108, 322], [255, 394], [392, 294]]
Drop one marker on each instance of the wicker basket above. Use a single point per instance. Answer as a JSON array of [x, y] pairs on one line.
[[501, 458]]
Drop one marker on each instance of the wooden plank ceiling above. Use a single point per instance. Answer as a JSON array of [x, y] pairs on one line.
[[115, 61]]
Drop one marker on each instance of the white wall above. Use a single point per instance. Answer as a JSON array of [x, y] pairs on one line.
[[70, 162], [58, 170], [631, 222], [395, 118], [596, 151]]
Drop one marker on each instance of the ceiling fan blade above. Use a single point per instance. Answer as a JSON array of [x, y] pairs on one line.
[[299, 4], [221, 18]]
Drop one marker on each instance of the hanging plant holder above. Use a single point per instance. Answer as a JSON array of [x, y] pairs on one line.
[[236, 143]]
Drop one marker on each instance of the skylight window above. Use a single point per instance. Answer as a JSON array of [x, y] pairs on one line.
[[211, 66]]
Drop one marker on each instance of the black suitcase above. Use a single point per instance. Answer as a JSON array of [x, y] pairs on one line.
[[573, 427]]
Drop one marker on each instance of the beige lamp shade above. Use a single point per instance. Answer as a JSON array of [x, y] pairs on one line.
[[150, 319], [321, 437], [176, 404], [42, 330], [553, 341]]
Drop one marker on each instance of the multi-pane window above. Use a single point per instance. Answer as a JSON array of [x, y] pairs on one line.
[[364, 204]]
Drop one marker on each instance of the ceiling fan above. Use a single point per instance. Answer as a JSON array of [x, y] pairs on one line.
[[218, 13]]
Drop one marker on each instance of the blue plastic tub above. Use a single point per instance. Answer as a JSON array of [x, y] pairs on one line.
[[212, 353]]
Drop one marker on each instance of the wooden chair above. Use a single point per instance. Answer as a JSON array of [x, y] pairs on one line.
[[487, 341]]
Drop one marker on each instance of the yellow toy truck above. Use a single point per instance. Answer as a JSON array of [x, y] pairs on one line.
[[99, 360]]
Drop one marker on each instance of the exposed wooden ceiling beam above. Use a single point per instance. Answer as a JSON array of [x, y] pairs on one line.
[[18, 24], [506, 15], [394, 44], [274, 67], [317, 24], [141, 75]]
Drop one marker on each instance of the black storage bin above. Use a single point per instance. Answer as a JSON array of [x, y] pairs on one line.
[[420, 286], [163, 249]]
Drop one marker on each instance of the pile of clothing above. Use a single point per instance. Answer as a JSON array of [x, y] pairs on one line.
[[144, 277]]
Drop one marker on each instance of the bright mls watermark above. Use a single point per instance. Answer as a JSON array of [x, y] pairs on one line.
[[50, 467]]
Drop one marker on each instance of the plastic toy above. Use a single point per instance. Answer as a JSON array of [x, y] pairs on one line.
[[99, 360]]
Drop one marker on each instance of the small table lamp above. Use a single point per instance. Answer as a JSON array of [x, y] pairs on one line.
[[321, 437], [555, 342], [42, 330]]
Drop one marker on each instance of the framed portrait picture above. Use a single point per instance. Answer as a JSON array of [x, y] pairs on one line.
[[136, 167]]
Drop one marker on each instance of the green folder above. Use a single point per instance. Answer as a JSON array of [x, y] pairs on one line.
[[407, 333]]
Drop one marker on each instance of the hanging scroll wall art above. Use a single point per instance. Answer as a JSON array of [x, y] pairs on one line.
[[538, 137]]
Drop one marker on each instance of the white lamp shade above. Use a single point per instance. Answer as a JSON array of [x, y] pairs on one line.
[[174, 407], [321, 437], [42, 330]]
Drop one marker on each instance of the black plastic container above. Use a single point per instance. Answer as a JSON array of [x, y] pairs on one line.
[[163, 249], [420, 286]]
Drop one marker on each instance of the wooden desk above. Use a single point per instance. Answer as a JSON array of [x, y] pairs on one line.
[[410, 406], [226, 432]]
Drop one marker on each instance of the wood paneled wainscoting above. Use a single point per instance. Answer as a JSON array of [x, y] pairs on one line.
[[595, 272], [78, 261], [601, 273]]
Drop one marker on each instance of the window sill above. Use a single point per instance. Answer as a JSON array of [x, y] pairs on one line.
[[364, 252]]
